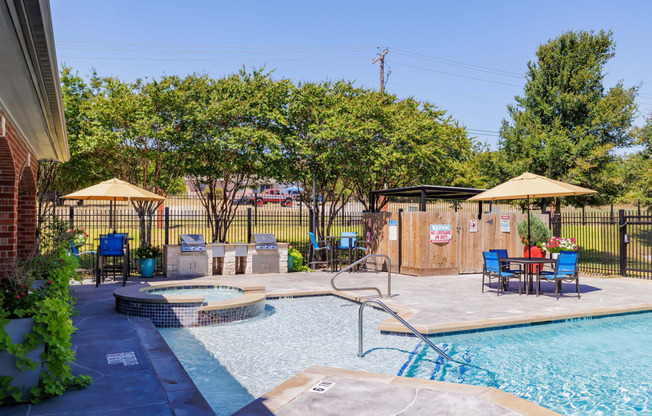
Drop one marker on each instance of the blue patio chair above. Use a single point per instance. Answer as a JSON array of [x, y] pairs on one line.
[[502, 254], [112, 246], [75, 251], [316, 248], [492, 270], [565, 271], [347, 243]]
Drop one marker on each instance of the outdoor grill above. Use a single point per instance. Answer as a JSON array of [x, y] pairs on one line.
[[192, 243], [265, 258], [265, 242]]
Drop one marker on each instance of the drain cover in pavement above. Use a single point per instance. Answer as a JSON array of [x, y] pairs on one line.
[[125, 358]]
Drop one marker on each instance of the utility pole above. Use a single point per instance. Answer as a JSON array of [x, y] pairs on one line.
[[381, 58]]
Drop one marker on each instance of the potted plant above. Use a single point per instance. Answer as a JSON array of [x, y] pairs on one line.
[[77, 236], [539, 234], [35, 329], [556, 245], [147, 255]]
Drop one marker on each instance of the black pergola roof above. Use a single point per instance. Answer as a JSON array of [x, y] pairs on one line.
[[425, 192]]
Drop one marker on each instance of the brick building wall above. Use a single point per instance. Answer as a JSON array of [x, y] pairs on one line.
[[18, 173]]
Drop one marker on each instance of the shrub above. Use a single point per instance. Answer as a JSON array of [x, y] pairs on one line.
[[297, 265], [539, 231]]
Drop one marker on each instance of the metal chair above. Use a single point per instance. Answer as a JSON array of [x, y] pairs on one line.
[[74, 251], [502, 254], [316, 248], [566, 271], [347, 242], [112, 246], [493, 270]]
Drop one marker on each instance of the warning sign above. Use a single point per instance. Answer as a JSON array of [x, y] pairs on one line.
[[441, 233], [474, 226], [504, 224]]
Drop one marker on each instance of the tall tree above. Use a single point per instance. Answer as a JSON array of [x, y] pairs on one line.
[[237, 124], [131, 130], [566, 126]]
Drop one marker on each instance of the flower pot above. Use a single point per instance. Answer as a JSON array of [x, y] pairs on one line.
[[147, 267], [22, 379], [554, 256], [534, 252], [290, 263]]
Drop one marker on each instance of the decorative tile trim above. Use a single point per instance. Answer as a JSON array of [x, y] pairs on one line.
[[185, 313]]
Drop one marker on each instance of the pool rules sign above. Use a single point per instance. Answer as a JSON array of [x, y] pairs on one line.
[[441, 233]]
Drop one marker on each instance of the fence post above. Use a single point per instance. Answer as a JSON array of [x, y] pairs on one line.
[[622, 226], [300, 200], [556, 224], [71, 216], [248, 225], [167, 225], [256, 208]]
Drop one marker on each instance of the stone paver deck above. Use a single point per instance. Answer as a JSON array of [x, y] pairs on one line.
[[158, 385]]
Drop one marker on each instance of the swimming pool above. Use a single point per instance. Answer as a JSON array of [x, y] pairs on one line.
[[597, 367], [210, 293]]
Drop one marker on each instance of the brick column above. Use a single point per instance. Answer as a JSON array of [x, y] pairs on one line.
[[18, 211]]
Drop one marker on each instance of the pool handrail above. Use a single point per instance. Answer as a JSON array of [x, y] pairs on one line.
[[350, 266], [401, 320]]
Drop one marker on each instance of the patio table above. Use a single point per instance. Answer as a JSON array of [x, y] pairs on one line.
[[526, 261], [332, 239]]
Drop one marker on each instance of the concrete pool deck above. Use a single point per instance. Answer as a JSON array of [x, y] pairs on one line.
[[159, 385]]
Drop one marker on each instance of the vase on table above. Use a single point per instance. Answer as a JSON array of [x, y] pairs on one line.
[[147, 267], [23, 379]]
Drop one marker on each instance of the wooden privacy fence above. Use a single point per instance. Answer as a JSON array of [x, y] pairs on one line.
[[405, 238]]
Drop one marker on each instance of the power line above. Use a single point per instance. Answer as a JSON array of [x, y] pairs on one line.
[[459, 64], [217, 47], [203, 50], [213, 60], [457, 75]]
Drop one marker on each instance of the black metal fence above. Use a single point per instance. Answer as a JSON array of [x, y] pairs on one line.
[[610, 244], [288, 224]]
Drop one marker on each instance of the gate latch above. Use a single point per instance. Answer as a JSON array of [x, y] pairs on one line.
[[626, 239]]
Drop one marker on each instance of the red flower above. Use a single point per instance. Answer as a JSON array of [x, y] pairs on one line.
[[23, 293], [18, 296], [49, 282]]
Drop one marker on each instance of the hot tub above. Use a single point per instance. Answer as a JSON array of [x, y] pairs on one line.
[[183, 304]]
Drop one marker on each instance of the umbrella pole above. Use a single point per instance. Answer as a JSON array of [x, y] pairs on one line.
[[529, 250]]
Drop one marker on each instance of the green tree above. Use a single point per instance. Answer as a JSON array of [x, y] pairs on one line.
[[237, 125], [130, 131], [566, 126]]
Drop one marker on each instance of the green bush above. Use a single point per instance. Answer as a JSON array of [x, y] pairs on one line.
[[297, 265], [539, 231]]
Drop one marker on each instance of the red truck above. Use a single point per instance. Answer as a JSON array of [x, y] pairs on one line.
[[271, 195]]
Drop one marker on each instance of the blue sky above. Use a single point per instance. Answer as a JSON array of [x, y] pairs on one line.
[[467, 57]]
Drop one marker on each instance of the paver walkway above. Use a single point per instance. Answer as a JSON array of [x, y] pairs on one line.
[[156, 385]]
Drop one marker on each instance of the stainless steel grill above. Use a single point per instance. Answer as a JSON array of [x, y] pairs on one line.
[[192, 243], [265, 242]]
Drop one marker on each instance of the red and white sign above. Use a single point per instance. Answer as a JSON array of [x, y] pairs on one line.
[[441, 233]]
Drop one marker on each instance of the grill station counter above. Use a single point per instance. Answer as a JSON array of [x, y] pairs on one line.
[[266, 255]]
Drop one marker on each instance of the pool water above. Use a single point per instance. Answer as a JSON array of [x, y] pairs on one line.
[[596, 367], [211, 294]]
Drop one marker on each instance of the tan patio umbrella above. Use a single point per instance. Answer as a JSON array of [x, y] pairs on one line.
[[527, 186], [114, 190]]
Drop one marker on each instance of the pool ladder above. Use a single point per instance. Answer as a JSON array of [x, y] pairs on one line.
[[352, 265], [398, 318]]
